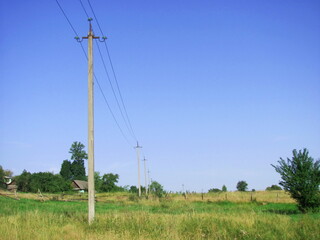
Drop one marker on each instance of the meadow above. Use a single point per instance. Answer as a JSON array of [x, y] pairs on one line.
[[232, 215]]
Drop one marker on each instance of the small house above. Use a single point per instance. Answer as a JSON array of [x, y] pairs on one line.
[[79, 185]]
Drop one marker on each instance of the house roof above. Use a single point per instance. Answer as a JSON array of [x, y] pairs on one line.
[[82, 185]]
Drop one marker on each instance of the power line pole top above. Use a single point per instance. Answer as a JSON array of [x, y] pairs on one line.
[[138, 145]]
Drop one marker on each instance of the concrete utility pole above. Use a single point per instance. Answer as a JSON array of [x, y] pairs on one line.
[[91, 189], [138, 157], [145, 175], [149, 180]]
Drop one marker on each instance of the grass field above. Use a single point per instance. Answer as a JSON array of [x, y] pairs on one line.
[[119, 216]]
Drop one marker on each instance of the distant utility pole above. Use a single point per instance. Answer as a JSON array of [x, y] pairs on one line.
[[138, 157], [91, 190], [149, 180], [145, 175]]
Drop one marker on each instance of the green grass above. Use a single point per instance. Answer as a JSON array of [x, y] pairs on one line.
[[167, 219], [10, 207]]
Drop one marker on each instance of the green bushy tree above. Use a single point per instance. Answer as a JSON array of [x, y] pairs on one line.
[[301, 178], [48, 182], [224, 188], [273, 188], [133, 189], [156, 189], [78, 155], [2, 185], [66, 170], [109, 182], [214, 190], [1, 172], [97, 181], [45, 181], [23, 181], [242, 186]]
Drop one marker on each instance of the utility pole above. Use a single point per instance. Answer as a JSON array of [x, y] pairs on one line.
[[149, 180], [138, 157], [145, 175], [91, 189]]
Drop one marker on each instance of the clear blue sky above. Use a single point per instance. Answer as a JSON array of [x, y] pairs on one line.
[[216, 91]]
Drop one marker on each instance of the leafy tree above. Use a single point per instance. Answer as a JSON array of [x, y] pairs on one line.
[[78, 155], [133, 189], [156, 189], [273, 187], [136, 189], [23, 181], [2, 185], [242, 186], [122, 188], [143, 189], [214, 190], [48, 182], [66, 170], [109, 182], [224, 188], [301, 178], [97, 181], [1, 172]]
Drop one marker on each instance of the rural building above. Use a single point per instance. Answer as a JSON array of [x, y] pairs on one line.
[[10, 183], [79, 185]]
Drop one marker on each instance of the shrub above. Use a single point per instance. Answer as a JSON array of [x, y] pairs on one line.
[[242, 186], [224, 188], [301, 178], [214, 190], [273, 187], [157, 189]]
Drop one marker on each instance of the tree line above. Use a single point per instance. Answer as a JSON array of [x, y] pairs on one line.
[[73, 169], [242, 186], [300, 177]]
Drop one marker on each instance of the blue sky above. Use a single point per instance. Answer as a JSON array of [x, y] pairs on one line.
[[216, 91]]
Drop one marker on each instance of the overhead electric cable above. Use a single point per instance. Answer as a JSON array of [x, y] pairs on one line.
[[114, 94], [86, 56], [75, 32], [84, 9], [129, 127], [114, 74]]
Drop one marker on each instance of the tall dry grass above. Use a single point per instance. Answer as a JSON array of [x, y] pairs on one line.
[[261, 196], [144, 225], [124, 216]]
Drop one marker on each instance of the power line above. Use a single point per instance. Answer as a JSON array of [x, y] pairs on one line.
[[65, 15], [75, 32], [84, 9], [127, 123], [114, 118], [108, 105], [114, 94], [86, 56], [114, 74]]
